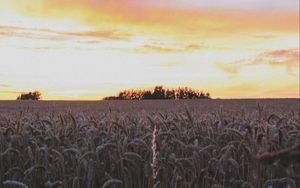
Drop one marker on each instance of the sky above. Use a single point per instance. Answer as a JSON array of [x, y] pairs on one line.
[[88, 49]]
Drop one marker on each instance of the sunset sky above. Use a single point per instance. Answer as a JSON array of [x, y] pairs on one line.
[[87, 49]]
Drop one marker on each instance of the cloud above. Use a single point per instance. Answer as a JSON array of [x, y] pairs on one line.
[[253, 89], [166, 18], [263, 36], [288, 90], [112, 35], [4, 89], [195, 47], [31, 33], [11, 92], [231, 68], [244, 4], [48, 34], [4, 85], [161, 48], [288, 58]]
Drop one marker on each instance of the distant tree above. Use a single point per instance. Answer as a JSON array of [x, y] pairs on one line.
[[36, 95], [110, 98], [158, 93], [207, 95], [180, 93], [147, 95], [170, 94], [121, 95]]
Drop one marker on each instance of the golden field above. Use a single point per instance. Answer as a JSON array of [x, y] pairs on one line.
[[137, 144]]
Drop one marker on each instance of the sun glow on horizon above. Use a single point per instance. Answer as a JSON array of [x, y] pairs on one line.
[[90, 49]]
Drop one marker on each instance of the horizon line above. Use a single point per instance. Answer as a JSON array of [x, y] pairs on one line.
[[92, 100]]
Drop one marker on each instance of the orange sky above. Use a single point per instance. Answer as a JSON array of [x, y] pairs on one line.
[[87, 49]]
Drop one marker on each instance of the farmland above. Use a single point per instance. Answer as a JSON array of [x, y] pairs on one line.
[[152, 143]]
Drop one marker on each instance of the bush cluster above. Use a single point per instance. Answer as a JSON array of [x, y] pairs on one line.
[[159, 92]]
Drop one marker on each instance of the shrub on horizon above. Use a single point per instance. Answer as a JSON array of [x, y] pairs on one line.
[[36, 95]]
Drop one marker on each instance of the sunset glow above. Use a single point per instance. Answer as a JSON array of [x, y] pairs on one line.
[[87, 49]]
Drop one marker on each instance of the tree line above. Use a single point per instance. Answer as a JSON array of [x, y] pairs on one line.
[[159, 92], [36, 95]]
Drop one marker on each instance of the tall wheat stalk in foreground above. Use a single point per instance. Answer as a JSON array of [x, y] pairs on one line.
[[155, 155]]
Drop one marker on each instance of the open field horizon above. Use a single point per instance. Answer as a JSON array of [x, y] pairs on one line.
[[152, 105]]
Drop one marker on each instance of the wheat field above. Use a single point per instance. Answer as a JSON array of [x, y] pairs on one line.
[[150, 144]]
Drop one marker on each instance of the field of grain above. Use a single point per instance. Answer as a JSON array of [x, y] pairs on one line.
[[147, 144]]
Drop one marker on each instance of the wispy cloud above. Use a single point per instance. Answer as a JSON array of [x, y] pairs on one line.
[[196, 47], [231, 68], [288, 58], [11, 92], [263, 36], [48, 34], [112, 35], [159, 49], [31, 33], [288, 90], [154, 48], [5, 88], [4, 85], [265, 5]]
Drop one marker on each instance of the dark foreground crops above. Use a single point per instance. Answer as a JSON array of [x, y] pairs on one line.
[[186, 146]]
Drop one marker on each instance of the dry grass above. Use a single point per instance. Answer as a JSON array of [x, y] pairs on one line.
[[185, 147]]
